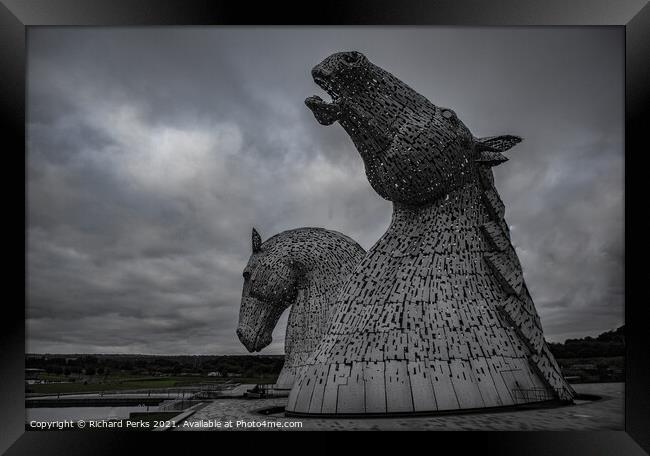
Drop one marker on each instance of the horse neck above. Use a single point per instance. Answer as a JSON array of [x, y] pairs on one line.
[[320, 271], [325, 263], [457, 210]]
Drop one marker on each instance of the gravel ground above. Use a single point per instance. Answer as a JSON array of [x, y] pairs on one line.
[[606, 413]]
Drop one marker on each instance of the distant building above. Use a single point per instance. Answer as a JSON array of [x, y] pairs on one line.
[[215, 374]]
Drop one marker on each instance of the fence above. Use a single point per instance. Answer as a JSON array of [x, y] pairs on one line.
[[532, 394]]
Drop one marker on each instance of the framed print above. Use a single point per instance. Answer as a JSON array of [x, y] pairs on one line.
[[366, 217]]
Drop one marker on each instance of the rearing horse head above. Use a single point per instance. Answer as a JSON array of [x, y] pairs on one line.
[[270, 286], [414, 151]]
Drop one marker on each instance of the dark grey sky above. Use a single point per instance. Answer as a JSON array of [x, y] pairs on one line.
[[152, 152]]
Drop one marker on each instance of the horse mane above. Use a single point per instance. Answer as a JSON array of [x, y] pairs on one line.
[[283, 234], [518, 308]]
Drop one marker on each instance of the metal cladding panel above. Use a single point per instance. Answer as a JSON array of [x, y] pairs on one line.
[[351, 397], [424, 398], [465, 385], [443, 387], [375, 387], [398, 387]]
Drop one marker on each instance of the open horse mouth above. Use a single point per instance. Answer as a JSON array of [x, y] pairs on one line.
[[326, 113]]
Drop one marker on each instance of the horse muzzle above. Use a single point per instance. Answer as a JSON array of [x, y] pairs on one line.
[[253, 340]]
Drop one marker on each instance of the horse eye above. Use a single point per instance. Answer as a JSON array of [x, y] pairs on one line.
[[447, 114], [247, 275], [350, 58]]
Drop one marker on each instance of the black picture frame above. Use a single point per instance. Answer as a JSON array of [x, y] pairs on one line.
[[634, 15]]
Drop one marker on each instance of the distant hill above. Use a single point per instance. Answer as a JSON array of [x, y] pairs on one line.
[[607, 344], [102, 364]]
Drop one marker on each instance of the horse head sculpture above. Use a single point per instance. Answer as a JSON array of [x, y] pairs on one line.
[[302, 269]]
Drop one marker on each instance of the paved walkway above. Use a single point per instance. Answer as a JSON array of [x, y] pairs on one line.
[[607, 413]]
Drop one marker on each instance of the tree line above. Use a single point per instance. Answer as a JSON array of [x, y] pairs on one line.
[[605, 345]]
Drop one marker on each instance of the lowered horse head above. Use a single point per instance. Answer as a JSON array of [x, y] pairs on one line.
[[303, 268], [270, 286]]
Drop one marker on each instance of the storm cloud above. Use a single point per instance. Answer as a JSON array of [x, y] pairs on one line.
[[153, 151]]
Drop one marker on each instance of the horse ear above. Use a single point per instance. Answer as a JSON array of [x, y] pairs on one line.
[[257, 241], [490, 148]]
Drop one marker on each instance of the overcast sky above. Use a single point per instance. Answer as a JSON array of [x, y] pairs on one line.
[[152, 152]]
